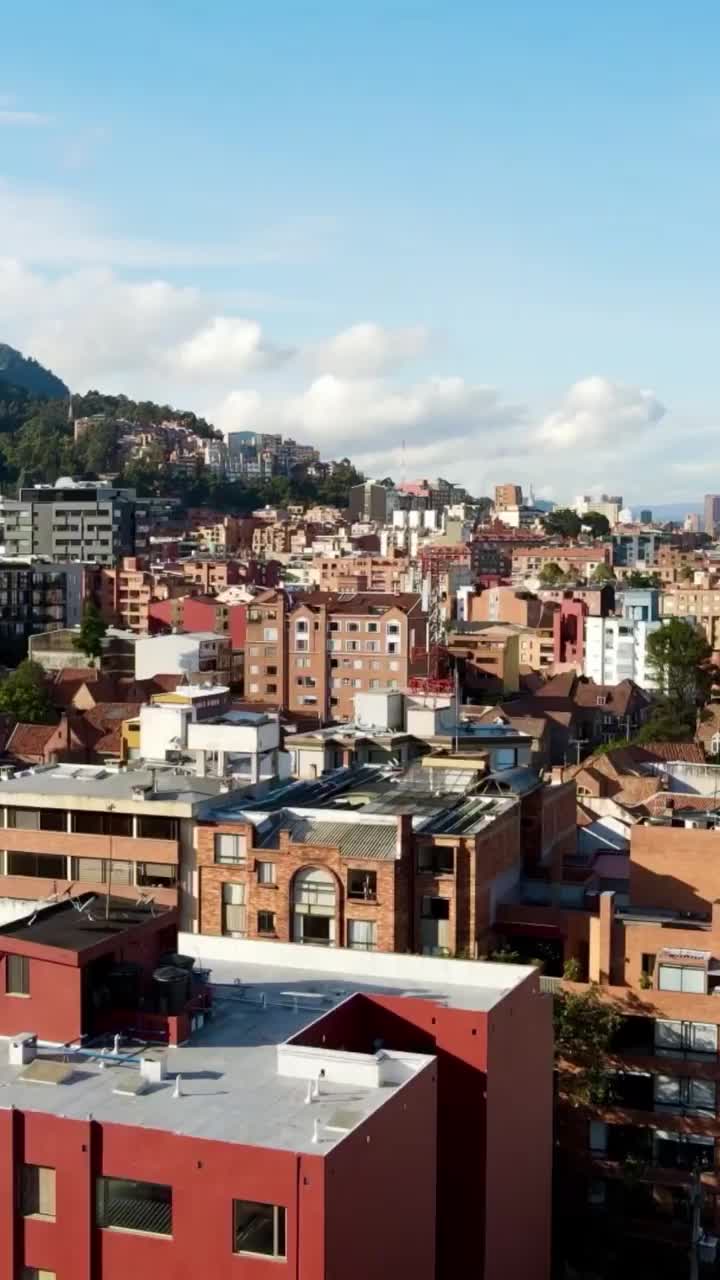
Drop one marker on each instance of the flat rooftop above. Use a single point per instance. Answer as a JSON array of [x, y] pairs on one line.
[[358, 809], [81, 923], [231, 1088], [88, 782]]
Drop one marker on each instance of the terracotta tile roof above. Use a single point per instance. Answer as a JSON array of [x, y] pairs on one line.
[[76, 675], [658, 803], [30, 739]]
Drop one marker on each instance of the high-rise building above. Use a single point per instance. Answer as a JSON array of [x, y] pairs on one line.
[[711, 513], [77, 520], [371, 502], [507, 496], [36, 597]]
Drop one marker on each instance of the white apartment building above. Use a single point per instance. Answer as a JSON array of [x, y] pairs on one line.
[[616, 649], [187, 653]]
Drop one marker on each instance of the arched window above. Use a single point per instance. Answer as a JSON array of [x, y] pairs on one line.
[[315, 906]]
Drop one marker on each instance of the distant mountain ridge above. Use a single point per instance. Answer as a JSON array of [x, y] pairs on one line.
[[22, 371]]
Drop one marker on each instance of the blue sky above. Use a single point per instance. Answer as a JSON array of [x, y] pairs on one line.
[[489, 231]]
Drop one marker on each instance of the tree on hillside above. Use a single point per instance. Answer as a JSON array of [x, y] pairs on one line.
[[92, 631], [598, 524], [24, 695], [687, 573], [603, 573], [551, 575], [563, 521]]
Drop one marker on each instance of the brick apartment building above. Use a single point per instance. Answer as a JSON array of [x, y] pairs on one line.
[[124, 594], [84, 827], [487, 658], [347, 862], [701, 604], [528, 561], [640, 1170], [313, 657], [361, 573], [238, 1151]]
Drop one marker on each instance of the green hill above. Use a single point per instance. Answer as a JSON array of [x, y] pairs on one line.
[[20, 371]]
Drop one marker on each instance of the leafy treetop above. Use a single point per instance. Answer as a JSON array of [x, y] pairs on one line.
[[24, 695]]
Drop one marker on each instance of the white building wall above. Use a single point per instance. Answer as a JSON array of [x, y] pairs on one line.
[[166, 655], [616, 649]]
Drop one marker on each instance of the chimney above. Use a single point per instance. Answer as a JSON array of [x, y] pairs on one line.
[[404, 834]]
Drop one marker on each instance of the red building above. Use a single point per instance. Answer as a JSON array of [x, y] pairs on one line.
[[331, 1132]]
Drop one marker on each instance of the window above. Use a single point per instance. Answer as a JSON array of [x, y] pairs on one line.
[[436, 908], [302, 645], [270, 634], [648, 963], [676, 978], [358, 664], [598, 1135], [51, 866], [439, 861], [234, 921], [685, 1093], [38, 1191], [361, 935], [371, 646], [123, 1205], [301, 626], [353, 626], [17, 976], [266, 922], [352, 646], [230, 850], [156, 875], [258, 1228], [372, 626], [95, 870], [266, 872], [362, 884], [271, 688], [675, 1039]]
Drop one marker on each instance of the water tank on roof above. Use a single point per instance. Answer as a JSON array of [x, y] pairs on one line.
[[172, 987], [177, 961]]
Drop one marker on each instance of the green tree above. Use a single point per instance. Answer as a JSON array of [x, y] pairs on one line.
[[92, 631], [24, 695], [679, 656], [603, 573], [598, 524], [551, 575], [638, 579], [584, 1028], [562, 521]]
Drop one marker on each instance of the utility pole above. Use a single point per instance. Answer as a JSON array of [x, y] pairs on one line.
[[110, 810]]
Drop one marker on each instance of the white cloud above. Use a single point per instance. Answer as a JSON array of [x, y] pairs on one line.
[[96, 329], [367, 350], [360, 414], [227, 345], [596, 409], [43, 227], [24, 118]]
